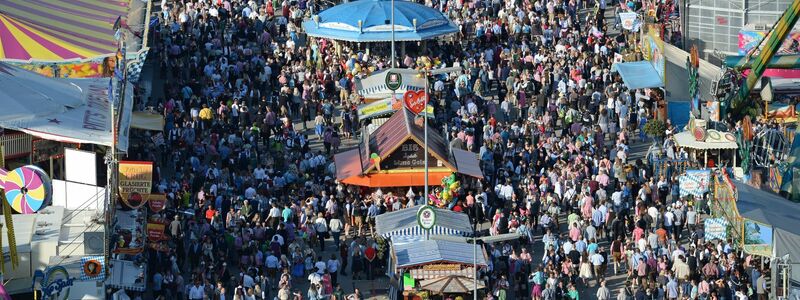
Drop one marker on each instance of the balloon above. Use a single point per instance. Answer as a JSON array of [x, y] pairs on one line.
[[446, 195], [454, 185]]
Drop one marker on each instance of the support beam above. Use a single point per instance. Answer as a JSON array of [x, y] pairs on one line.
[[777, 62]]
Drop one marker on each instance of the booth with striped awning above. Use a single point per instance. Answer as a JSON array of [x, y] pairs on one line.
[[402, 225]]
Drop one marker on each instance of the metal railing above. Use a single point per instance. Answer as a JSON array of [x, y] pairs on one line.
[[16, 144]]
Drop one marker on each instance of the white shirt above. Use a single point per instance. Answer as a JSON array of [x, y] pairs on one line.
[[196, 292], [259, 173], [597, 259], [321, 267]]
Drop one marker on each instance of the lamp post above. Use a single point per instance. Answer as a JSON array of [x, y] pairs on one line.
[[393, 65], [425, 129], [474, 251]]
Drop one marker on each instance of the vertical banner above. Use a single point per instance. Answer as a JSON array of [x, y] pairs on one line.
[[757, 238], [12, 242], [654, 49], [135, 182]]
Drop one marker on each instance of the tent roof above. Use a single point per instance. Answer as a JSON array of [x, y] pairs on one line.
[[341, 22], [65, 110], [686, 139], [767, 208], [407, 218], [58, 30], [638, 75], [374, 86], [430, 251]]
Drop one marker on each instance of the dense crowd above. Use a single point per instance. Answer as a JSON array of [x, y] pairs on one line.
[[257, 211]]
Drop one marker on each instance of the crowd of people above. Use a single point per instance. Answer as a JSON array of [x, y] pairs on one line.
[[256, 210]]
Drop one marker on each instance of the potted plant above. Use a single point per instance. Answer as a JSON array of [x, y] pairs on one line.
[[655, 128]]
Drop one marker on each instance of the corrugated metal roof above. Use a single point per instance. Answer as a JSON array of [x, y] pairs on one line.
[[436, 143], [406, 218], [385, 139], [467, 163], [431, 251]]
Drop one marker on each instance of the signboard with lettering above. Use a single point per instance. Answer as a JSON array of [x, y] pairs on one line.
[[393, 80], [442, 267], [135, 182], [54, 282], [426, 217], [409, 155]]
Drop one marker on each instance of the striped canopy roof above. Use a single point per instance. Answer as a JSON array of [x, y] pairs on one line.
[[57, 30]]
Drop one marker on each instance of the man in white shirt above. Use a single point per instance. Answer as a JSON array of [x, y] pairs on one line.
[[320, 266], [597, 260], [196, 291], [259, 173]]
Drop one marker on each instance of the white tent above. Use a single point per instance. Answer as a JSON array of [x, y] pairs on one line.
[[66, 110]]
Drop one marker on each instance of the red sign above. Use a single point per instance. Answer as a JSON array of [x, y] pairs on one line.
[[157, 202], [415, 101], [370, 253], [155, 231]]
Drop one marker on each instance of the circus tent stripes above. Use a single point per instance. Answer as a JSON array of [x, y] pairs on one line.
[[51, 30]]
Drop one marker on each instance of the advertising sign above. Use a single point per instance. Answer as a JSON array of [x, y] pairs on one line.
[[54, 282], [155, 231], [750, 39], [157, 202], [628, 20], [408, 156], [694, 183], [393, 80], [135, 182], [654, 49], [715, 229], [426, 217], [757, 238], [93, 268], [415, 101]]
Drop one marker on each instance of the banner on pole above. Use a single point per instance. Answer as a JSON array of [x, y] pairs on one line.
[[135, 182]]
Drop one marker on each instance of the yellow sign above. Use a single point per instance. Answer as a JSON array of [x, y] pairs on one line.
[[378, 107], [442, 267], [135, 182], [135, 177]]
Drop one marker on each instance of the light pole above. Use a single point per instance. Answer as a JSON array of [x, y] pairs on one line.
[[393, 65], [425, 116], [474, 251]]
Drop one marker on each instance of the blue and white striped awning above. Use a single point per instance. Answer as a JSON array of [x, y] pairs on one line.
[[416, 233]]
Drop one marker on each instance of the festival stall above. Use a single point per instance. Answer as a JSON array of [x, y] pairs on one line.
[[698, 140], [759, 223], [429, 252], [428, 268], [366, 21], [402, 225], [769, 229], [393, 157], [42, 38]]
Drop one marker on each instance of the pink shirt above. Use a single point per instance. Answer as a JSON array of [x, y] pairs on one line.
[[574, 233], [637, 233]]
